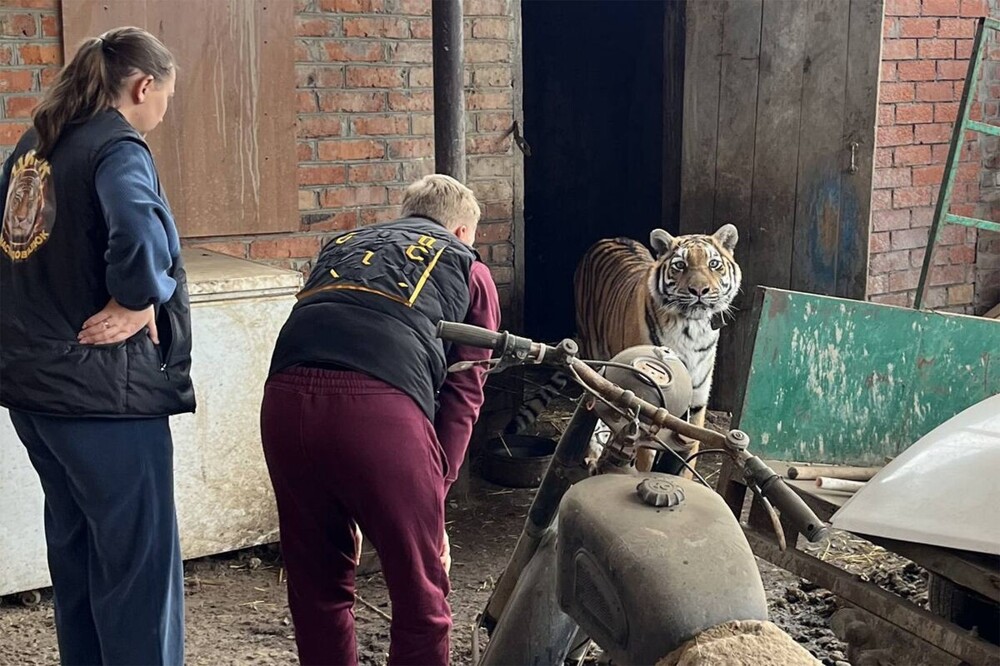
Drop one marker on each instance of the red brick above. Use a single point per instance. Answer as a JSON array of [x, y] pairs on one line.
[[322, 175], [20, 107], [946, 112], [319, 77], [886, 262], [10, 133], [491, 28], [6, 55], [889, 72], [411, 101], [380, 125], [479, 101], [917, 70], [304, 151], [962, 254], [369, 216], [881, 200], [921, 217], [952, 70], [889, 178], [411, 51], [314, 27], [306, 51], [895, 136], [953, 234], [961, 28], [902, 299], [284, 248], [381, 27], [887, 114], [941, 8], [232, 249], [914, 113], [340, 197], [360, 149], [877, 284], [307, 200], [907, 239], [409, 148], [351, 102], [374, 172], [18, 25], [968, 173], [936, 48], [489, 145], [422, 124], [918, 27], [933, 133], [485, 7], [912, 155], [352, 6], [896, 92], [909, 197], [902, 7], [421, 28], [51, 27], [421, 77], [891, 220], [961, 294], [493, 232], [40, 54], [340, 220], [306, 101], [883, 156], [48, 75], [899, 49], [489, 52], [963, 48], [16, 80], [974, 8], [495, 77], [375, 77], [310, 127], [930, 175], [419, 7], [936, 92], [904, 280], [354, 51], [949, 274]]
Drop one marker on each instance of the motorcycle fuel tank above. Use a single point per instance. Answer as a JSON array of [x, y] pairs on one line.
[[647, 562]]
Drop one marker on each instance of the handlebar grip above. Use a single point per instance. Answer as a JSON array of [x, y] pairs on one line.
[[468, 335], [794, 509]]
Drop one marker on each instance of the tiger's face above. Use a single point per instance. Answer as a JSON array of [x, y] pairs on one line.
[[696, 275]]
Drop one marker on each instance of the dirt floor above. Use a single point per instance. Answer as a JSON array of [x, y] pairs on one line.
[[237, 611]]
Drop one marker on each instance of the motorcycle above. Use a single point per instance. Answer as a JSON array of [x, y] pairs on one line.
[[639, 563]]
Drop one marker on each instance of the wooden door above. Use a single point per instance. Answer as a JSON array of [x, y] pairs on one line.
[[780, 102]]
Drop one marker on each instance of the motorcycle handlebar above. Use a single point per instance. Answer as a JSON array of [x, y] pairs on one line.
[[792, 507], [470, 336]]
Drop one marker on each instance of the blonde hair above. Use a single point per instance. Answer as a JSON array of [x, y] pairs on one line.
[[442, 199], [93, 79]]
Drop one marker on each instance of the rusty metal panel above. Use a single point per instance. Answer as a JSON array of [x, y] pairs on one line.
[[226, 149], [842, 381]]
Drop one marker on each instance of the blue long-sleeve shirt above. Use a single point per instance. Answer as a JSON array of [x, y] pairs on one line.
[[143, 242]]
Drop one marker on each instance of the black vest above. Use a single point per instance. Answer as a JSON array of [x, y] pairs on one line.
[[52, 279], [372, 304]]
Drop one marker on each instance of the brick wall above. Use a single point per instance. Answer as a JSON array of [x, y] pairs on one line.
[[926, 48], [365, 127]]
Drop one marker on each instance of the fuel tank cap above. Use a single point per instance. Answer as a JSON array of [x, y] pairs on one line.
[[660, 492]]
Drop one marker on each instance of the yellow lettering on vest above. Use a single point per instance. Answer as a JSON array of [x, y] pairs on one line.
[[368, 258], [334, 273], [426, 241], [343, 239], [415, 252]]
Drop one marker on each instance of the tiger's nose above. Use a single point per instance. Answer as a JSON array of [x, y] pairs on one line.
[[699, 292]]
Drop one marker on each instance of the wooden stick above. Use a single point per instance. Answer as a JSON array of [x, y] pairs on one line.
[[843, 485], [373, 607], [809, 472]]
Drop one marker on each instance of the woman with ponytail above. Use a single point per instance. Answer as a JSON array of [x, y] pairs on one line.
[[95, 348]]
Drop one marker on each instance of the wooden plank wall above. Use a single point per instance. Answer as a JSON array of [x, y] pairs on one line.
[[774, 93], [226, 149]]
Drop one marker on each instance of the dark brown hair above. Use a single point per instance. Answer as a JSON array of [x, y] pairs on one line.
[[93, 80]]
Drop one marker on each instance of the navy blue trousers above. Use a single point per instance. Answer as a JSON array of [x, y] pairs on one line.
[[111, 532]]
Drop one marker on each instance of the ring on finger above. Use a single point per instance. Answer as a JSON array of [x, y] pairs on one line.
[[107, 324]]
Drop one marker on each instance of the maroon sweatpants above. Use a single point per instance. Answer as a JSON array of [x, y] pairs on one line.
[[344, 447]]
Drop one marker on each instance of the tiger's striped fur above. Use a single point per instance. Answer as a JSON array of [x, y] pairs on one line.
[[626, 297]]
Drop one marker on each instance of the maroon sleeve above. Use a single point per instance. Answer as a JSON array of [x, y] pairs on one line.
[[461, 395]]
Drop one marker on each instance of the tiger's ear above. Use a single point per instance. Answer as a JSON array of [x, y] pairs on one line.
[[728, 236], [661, 242]]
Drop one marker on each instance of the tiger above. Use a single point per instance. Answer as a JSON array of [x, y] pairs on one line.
[[626, 297]]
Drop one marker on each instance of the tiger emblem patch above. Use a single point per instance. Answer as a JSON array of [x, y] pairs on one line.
[[30, 209]]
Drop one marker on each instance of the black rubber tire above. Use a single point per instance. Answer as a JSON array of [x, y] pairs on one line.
[[964, 607]]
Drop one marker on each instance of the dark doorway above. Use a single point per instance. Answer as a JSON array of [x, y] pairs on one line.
[[594, 117]]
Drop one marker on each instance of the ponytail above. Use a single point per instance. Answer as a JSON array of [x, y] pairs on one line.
[[93, 80]]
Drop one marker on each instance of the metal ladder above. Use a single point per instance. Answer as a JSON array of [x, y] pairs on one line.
[[941, 214]]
